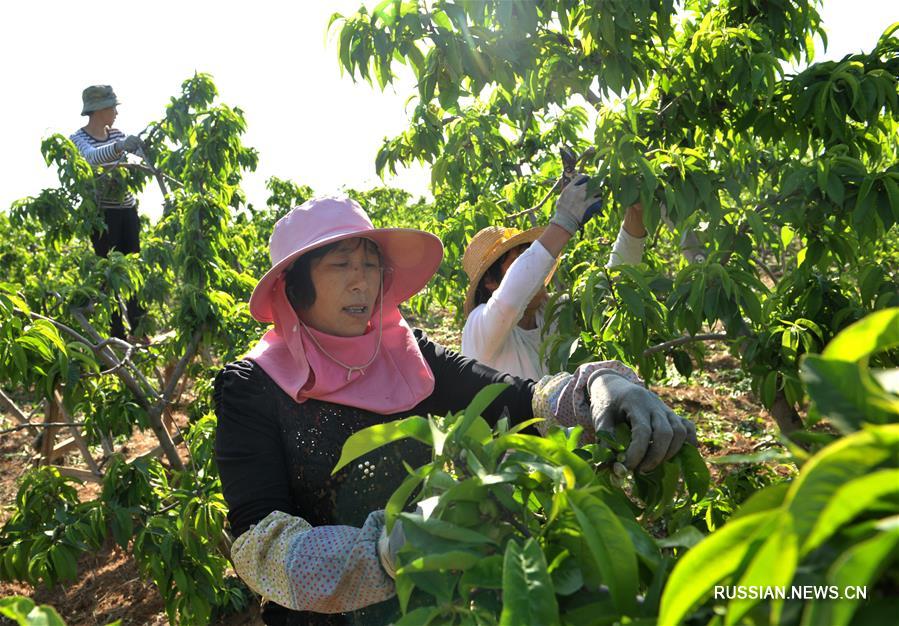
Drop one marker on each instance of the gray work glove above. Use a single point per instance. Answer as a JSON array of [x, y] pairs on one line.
[[389, 545], [657, 433], [574, 207], [131, 144]]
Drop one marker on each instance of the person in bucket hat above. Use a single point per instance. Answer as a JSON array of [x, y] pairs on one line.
[[339, 357], [103, 145]]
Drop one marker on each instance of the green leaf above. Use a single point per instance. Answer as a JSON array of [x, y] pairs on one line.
[[769, 388], [528, 594], [835, 189], [485, 574], [452, 560], [64, 563], [774, 564], [611, 547], [548, 450], [364, 441], [786, 235], [770, 497], [716, 558], [789, 345], [36, 345], [826, 472], [877, 332], [695, 471], [682, 363], [566, 574], [422, 616], [892, 190], [849, 501], [26, 613], [845, 393], [857, 567], [685, 537], [632, 300], [446, 530], [400, 497], [477, 406]]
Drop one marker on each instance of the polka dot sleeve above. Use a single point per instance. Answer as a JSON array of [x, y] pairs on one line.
[[326, 569], [563, 400]]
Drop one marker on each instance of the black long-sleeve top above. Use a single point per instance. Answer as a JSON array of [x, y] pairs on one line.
[[275, 454]]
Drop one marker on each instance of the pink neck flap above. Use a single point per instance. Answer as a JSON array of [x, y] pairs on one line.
[[383, 372]]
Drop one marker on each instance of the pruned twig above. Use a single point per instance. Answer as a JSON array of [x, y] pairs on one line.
[[557, 186]]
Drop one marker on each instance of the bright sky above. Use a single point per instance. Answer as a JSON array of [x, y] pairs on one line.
[[309, 123]]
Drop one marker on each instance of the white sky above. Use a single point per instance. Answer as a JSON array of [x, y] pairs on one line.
[[309, 123]]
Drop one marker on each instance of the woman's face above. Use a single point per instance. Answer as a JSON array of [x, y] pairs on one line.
[[507, 260], [347, 282]]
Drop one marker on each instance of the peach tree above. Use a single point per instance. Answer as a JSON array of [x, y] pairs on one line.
[[712, 115]]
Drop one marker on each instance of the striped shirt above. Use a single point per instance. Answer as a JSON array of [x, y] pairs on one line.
[[103, 152]]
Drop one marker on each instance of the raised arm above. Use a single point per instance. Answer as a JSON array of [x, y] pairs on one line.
[[488, 326]]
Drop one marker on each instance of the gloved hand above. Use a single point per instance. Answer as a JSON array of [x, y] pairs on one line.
[[131, 144], [574, 207], [389, 545], [657, 433]]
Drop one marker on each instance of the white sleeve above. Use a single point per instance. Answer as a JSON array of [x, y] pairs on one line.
[[627, 249], [106, 153], [488, 325]]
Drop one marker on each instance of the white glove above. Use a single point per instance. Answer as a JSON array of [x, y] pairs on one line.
[[574, 207], [657, 433], [389, 545]]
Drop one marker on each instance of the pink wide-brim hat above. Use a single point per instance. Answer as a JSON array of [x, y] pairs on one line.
[[413, 255]]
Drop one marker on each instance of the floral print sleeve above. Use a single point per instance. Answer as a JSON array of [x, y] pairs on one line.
[[562, 399], [325, 569]]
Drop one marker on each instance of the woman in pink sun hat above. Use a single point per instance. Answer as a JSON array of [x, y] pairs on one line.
[[338, 358]]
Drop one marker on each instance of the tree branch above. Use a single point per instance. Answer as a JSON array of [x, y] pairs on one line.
[[558, 185], [17, 413], [664, 347], [111, 360], [765, 268], [37, 425], [178, 372], [154, 410], [76, 434]]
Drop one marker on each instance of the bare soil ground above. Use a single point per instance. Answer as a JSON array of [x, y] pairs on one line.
[[729, 421]]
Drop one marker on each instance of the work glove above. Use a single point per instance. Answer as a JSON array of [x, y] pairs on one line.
[[131, 144], [389, 545], [574, 206], [657, 433]]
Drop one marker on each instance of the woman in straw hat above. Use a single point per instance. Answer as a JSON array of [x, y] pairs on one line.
[[508, 271], [338, 358]]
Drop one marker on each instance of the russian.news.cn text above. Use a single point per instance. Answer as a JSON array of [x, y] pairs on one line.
[[794, 592]]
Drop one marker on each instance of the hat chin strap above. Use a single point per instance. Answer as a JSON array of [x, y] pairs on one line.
[[351, 368]]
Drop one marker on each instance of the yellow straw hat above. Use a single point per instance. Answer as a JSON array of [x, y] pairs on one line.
[[486, 247]]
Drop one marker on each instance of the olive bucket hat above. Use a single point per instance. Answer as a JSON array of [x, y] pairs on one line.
[[96, 98]]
